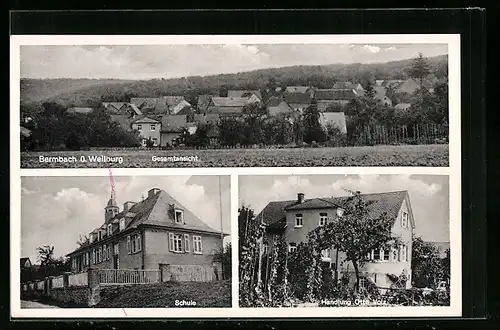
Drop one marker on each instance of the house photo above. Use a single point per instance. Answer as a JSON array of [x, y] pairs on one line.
[[339, 233]]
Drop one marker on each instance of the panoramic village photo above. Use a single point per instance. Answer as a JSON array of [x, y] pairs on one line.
[[234, 105], [344, 240], [125, 242]]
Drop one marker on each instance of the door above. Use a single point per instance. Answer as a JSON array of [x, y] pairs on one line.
[[116, 262]]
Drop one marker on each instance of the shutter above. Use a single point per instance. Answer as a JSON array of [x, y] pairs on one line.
[[201, 245], [139, 242], [186, 242], [128, 244], [171, 241]]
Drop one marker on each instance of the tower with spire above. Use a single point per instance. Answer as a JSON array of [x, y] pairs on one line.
[[111, 209]]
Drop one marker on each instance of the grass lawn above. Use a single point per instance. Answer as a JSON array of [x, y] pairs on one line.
[[205, 294], [404, 155]]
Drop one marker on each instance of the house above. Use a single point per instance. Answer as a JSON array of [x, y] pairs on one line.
[[442, 247], [294, 219], [79, 110], [25, 269], [336, 119], [349, 85], [381, 97], [148, 128], [160, 105], [213, 120], [299, 89], [203, 102], [411, 85], [402, 106], [171, 127], [122, 108], [144, 235], [298, 101], [330, 97], [252, 96], [227, 106], [277, 105]]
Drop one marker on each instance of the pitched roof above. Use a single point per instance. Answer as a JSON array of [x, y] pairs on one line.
[[145, 120], [187, 110], [379, 91], [274, 101], [173, 100], [244, 93], [388, 202], [204, 118], [442, 247], [25, 132], [335, 118], [346, 85], [155, 211], [297, 89], [82, 110], [24, 260], [229, 101], [297, 98], [135, 108], [335, 94], [124, 120], [173, 123], [156, 103], [203, 101]]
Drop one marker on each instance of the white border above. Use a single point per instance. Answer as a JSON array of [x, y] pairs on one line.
[[454, 172]]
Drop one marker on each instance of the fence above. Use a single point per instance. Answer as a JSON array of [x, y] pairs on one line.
[[403, 134], [190, 273], [80, 279], [58, 281], [128, 276]]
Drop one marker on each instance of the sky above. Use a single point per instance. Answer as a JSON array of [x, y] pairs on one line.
[[429, 194], [173, 61], [56, 210]]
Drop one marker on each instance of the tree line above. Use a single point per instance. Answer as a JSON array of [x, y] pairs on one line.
[[53, 128]]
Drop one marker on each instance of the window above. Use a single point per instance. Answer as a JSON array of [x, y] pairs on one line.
[[143, 142], [128, 245], [94, 260], [186, 242], [175, 242], [376, 254], [105, 252], [109, 251], [139, 128], [404, 220], [122, 224], [403, 252], [153, 127], [88, 258], [323, 219], [298, 220], [266, 248], [179, 216], [407, 254], [73, 263], [116, 249], [99, 254], [135, 243], [385, 255], [325, 253], [292, 247], [91, 238], [394, 253], [197, 245], [155, 141], [110, 229]]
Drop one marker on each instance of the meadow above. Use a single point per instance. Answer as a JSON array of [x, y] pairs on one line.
[[382, 155]]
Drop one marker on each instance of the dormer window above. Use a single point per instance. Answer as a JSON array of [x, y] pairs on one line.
[[110, 229], [122, 224], [91, 238], [179, 216]]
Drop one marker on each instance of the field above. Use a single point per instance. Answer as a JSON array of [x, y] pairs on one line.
[[205, 294], [404, 155]]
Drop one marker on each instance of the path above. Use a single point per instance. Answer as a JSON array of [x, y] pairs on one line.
[[34, 304]]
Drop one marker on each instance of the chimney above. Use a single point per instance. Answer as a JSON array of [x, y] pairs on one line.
[[127, 206], [153, 192], [300, 198]]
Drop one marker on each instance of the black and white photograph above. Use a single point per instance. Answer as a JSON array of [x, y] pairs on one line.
[[125, 242], [234, 104], [344, 240]]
